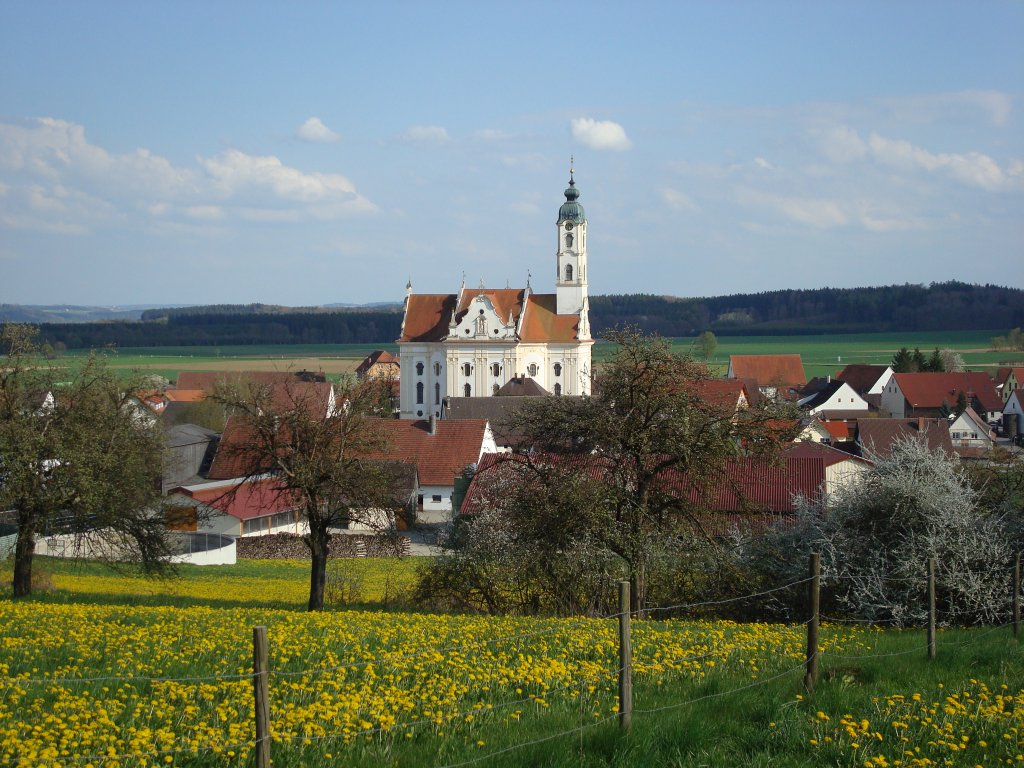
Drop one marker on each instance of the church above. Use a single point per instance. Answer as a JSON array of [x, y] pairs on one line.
[[471, 343]]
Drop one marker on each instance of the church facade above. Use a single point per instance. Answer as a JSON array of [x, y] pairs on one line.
[[471, 343]]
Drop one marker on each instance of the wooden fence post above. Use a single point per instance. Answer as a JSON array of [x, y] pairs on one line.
[[261, 693], [1016, 597], [625, 659], [931, 607], [813, 608]]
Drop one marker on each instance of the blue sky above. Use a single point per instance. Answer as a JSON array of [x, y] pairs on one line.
[[238, 152]]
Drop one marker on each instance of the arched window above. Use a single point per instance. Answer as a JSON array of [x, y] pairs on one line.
[[467, 391], [568, 241], [494, 389], [496, 369], [437, 369], [419, 369], [532, 369], [568, 272], [419, 393], [467, 369], [437, 393], [558, 369], [558, 390]]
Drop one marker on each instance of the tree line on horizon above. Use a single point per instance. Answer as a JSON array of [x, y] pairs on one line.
[[936, 307]]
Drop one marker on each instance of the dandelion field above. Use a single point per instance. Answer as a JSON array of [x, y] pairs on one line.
[[86, 679]]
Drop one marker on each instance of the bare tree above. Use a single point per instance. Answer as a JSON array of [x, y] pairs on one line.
[[76, 459], [318, 452]]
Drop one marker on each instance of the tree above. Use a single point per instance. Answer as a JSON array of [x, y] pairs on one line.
[[936, 363], [625, 470], [875, 537], [319, 453], [919, 363], [903, 361], [952, 361], [706, 345], [76, 459]]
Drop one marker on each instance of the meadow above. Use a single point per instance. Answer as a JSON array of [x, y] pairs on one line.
[[822, 355], [89, 677]]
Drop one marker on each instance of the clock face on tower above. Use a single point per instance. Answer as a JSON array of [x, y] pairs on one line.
[[568, 226]]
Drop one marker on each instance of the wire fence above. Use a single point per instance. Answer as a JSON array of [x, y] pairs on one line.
[[272, 736]]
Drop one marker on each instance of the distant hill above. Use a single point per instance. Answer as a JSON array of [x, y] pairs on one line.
[[66, 313], [936, 307]]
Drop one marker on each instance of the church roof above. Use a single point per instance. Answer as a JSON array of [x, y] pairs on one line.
[[571, 210], [428, 315], [541, 323]]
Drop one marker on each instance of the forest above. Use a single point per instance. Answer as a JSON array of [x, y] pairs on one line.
[[935, 307]]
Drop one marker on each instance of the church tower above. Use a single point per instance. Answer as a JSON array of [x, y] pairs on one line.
[[571, 280]]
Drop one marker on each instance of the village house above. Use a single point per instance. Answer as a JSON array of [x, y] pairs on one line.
[[836, 398], [379, 365], [937, 394], [1008, 381], [971, 435], [876, 437], [868, 381], [780, 376]]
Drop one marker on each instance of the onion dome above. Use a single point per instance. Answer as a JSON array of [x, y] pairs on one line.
[[571, 210]]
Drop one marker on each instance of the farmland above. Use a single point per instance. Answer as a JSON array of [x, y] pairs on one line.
[[822, 355], [89, 679]]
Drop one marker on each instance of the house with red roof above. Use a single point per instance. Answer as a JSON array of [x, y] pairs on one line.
[[936, 394], [748, 494], [474, 342], [776, 375], [876, 437], [1008, 381], [378, 365], [866, 379], [841, 468], [440, 450]]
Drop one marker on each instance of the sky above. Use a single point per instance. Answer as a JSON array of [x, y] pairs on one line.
[[313, 153]]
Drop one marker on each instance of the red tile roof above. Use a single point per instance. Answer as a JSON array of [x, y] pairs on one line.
[[438, 457], [769, 370], [176, 395], [243, 501], [725, 393], [207, 380], [541, 324], [830, 455], [877, 436], [840, 429], [931, 390], [744, 485], [381, 357], [428, 316]]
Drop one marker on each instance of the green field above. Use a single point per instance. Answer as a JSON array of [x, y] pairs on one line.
[[90, 677], [822, 355]]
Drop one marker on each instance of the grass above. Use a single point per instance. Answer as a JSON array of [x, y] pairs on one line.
[[372, 688]]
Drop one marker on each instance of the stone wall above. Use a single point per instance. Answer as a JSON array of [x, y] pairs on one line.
[[291, 547]]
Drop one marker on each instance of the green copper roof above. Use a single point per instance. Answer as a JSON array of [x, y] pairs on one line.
[[570, 209]]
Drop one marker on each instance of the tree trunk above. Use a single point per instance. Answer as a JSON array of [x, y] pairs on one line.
[[319, 541], [24, 551]]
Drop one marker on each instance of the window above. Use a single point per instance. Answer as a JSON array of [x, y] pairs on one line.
[[558, 369], [467, 391], [437, 393], [494, 389], [419, 393], [496, 369], [568, 272], [558, 390], [419, 369], [437, 369], [568, 241], [254, 525], [467, 369], [436, 498], [532, 369]]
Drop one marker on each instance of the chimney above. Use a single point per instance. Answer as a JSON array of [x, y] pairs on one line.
[[433, 424]]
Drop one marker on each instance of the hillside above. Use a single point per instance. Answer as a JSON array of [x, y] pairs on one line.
[[936, 307]]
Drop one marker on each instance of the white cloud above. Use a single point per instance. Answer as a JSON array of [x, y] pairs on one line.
[[600, 134], [760, 162], [48, 165], [434, 134], [842, 145], [972, 168], [492, 134], [819, 213], [959, 106], [678, 201], [314, 130]]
